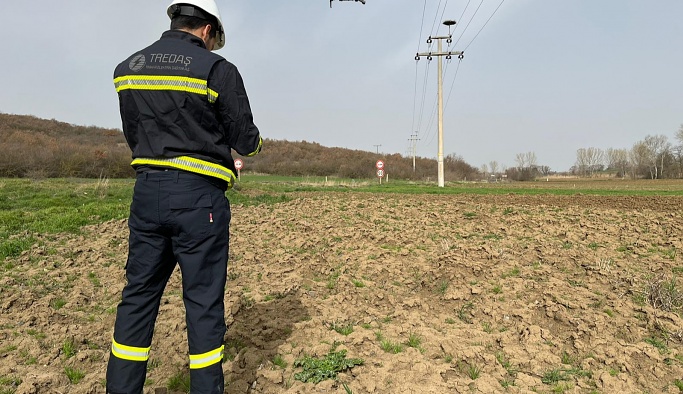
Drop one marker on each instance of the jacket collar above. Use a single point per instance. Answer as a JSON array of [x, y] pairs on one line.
[[183, 36]]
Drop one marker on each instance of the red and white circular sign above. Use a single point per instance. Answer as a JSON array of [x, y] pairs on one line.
[[239, 164], [380, 173], [379, 164]]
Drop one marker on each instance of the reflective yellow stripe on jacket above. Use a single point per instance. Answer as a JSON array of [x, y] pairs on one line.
[[206, 359], [258, 148], [130, 353], [165, 82], [190, 164]]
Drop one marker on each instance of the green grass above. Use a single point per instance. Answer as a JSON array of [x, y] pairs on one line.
[[556, 375], [658, 343], [473, 371], [74, 375], [29, 207], [179, 382], [344, 329], [279, 361], [64, 205], [390, 347], [69, 348], [287, 184], [52, 206], [315, 370], [57, 303], [414, 341]]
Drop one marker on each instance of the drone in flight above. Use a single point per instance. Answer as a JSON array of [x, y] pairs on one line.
[[362, 1]]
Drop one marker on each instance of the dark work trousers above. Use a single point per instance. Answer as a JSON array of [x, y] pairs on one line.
[[181, 217]]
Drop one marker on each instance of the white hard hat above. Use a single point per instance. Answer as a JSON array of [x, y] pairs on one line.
[[205, 7]]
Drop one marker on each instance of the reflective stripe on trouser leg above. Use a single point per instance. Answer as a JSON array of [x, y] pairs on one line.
[[150, 264], [204, 360], [201, 248], [130, 353]]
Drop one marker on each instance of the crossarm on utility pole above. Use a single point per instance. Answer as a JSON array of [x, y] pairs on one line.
[[453, 53]]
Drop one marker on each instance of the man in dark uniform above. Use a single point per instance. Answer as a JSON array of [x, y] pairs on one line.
[[183, 109]]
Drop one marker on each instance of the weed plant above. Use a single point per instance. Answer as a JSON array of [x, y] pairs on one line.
[[74, 375], [315, 370], [69, 348], [179, 382]]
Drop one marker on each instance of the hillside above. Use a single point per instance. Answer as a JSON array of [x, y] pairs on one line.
[[39, 148]]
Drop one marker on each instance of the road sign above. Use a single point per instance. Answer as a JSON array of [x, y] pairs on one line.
[[379, 164], [239, 164], [380, 173]]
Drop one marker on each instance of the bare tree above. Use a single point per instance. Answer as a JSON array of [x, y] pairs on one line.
[[520, 159], [493, 166], [617, 159], [526, 167], [530, 158], [640, 158], [658, 148], [589, 160], [581, 164]]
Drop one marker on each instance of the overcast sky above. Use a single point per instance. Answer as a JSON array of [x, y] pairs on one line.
[[543, 76]]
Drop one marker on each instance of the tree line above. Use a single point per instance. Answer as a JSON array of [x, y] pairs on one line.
[[654, 157], [40, 148]]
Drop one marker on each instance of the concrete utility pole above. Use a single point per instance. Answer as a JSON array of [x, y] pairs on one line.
[[440, 54], [413, 138], [377, 147]]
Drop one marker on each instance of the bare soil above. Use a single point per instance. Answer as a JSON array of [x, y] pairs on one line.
[[481, 294]]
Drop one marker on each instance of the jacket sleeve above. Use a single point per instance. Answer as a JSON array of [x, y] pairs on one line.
[[233, 107]]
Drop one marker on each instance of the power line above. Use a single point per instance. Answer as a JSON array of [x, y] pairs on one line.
[[424, 93], [435, 18], [487, 21], [463, 11], [419, 40], [424, 8], [468, 23], [452, 84], [442, 12], [412, 127]]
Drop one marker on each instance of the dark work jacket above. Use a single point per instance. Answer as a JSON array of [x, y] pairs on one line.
[[185, 107]]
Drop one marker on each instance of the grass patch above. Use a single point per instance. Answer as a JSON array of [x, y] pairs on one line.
[[414, 341], [279, 361], [179, 382], [92, 277], [442, 287], [390, 347], [315, 370], [556, 375], [505, 363], [513, 273], [658, 343], [69, 348], [58, 303], [474, 371], [568, 359], [9, 384], [342, 328], [74, 375], [56, 206]]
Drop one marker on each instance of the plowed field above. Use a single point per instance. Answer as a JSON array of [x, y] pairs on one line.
[[437, 294]]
